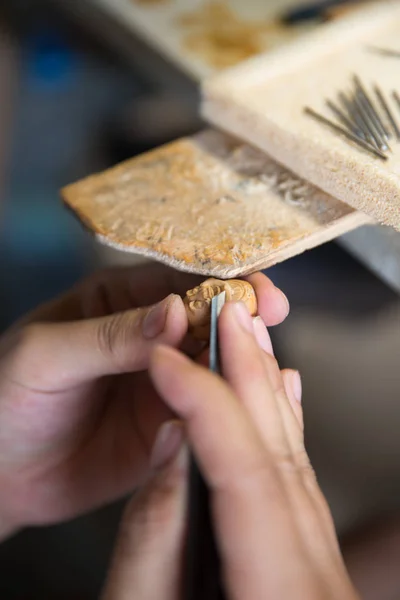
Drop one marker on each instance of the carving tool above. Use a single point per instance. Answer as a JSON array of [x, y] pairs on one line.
[[385, 51], [202, 569], [345, 120], [365, 145], [369, 106], [387, 110], [396, 98], [369, 124], [366, 120], [356, 117], [310, 11]]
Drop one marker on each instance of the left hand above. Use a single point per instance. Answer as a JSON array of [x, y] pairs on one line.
[[78, 413]]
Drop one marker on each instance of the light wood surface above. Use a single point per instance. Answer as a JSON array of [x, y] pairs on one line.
[[262, 101], [203, 36]]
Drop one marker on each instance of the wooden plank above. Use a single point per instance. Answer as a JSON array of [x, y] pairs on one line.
[[262, 101], [201, 37], [208, 204]]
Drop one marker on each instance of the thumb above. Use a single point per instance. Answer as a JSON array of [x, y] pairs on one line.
[[79, 351], [148, 557]]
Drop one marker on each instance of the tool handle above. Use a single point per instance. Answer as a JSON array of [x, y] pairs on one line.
[[309, 11], [202, 571]]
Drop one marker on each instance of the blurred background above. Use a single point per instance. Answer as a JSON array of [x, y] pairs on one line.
[[80, 90]]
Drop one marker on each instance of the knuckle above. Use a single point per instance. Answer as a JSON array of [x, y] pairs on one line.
[[298, 464], [305, 467], [262, 475], [110, 334], [286, 463], [118, 339], [25, 352], [258, 366]]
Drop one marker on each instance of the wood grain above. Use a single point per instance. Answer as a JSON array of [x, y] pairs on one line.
[[208, 204], [262, 101]]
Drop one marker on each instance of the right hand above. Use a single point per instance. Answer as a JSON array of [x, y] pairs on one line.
[[274, 529]]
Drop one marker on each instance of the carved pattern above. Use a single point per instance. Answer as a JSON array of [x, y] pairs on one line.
[[198, 302], [208, 205]]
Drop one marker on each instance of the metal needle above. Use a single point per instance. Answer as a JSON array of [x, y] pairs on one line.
[[370, 125], [396, 98], [354, 114], [217, 304], [370, 108], [363, 144], [386, 109], [344, 119]]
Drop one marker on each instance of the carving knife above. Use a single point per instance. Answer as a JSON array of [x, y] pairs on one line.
[[202, 570]]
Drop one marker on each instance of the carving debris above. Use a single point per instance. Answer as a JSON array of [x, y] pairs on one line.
[[208, 205]]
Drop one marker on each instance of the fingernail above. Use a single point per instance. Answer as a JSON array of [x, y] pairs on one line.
[[181, 459], [167, 445], [243, 317], [295, 384], [155, 320], [285, 298], [262, 335]]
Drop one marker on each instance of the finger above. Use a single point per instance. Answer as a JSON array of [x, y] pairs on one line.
[[190, 390], [246, 349], [273, 306], [143, 285], [256, 495], [149, 283], [244, 367], [293, 389], [262, 393], [84, 350], [148, 557], [262, 336], [249, 499], [287, 390]]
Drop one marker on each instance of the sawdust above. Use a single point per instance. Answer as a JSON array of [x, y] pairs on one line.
[[222, 38], [206, 204]]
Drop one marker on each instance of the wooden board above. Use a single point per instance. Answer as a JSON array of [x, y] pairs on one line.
[[262, 101], [208, 204], [202, 37]]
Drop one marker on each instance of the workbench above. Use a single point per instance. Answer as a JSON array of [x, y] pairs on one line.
[[155, 36]]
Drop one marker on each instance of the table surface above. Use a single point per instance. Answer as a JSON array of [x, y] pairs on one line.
[[166, 26], [170, 25]]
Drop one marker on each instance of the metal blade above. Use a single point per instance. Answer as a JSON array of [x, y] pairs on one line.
[[216, 306]]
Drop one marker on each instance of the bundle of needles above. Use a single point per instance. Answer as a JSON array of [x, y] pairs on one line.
[[366, 119]]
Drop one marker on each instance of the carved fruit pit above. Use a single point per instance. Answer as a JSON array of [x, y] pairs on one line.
[[198, 302]]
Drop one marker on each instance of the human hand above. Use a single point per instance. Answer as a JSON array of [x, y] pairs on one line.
[[78, 412], [274, 530]]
